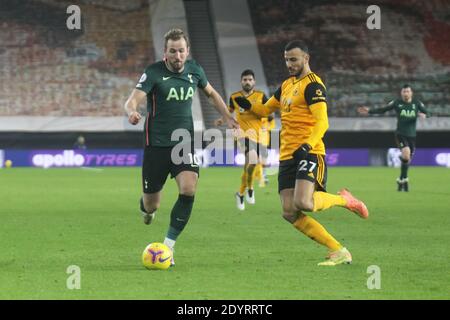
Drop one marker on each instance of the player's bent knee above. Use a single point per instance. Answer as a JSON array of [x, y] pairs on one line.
[[405, 159], [303, 204], [406, 154], [188, 190]]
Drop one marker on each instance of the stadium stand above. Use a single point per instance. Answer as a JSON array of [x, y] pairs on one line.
[[48, 70], [361, 66]]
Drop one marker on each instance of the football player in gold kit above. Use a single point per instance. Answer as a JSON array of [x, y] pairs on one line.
[[301, 100], [250, 135]]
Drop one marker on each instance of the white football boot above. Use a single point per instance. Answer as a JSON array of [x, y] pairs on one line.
[[240, 204], [250, 196]]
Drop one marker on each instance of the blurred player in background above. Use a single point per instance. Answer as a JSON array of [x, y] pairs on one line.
[[302, 174], [80, 143], [407, 109], [249, 139], [169, 86]]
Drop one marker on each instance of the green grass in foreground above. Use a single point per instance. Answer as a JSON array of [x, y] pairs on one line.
[[51, 219]]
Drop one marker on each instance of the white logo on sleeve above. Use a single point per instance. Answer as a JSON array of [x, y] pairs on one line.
[[143, 78]]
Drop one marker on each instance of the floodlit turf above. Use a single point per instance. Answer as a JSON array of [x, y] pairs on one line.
[[52, 219]]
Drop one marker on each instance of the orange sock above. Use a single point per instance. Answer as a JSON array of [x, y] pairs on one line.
[[316, 232], [323, 200]]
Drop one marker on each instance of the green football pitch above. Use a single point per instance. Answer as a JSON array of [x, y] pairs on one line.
[[56, 218]]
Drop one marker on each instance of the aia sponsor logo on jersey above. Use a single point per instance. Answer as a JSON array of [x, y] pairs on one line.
[[179, 94]]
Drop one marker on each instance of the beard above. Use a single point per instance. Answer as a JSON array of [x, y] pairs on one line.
[[298, 72], [176, 65], [247, 88]]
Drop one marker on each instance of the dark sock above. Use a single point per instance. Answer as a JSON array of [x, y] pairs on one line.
[[179, 217], [404, 169], [141, 203]]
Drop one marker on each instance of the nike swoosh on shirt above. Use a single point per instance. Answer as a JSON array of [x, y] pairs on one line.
[[166, 78]]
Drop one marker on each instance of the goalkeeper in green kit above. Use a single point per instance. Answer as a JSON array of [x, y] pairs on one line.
[[408, 109]]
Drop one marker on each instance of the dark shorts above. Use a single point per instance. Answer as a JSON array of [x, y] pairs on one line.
[[245, 144], [158, 163], [404, 141], [313, 169]]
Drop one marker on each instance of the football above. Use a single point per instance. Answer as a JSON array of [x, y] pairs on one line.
[[157, 256]]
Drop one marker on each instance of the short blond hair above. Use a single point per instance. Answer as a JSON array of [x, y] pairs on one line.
[[174, 35]]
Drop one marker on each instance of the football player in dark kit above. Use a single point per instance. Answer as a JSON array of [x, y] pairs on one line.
[[169, 86], [408, 109]]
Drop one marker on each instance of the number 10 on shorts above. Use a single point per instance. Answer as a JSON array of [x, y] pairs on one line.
[[304, 164], [193, 159]]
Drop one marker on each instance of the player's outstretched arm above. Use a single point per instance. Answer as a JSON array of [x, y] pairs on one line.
[[260, 109], [218, 103], [131, 105], [219, 122], [363, 110], [366, 110]]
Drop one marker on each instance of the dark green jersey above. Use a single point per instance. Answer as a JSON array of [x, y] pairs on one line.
[[169, 100], [406, 115]]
